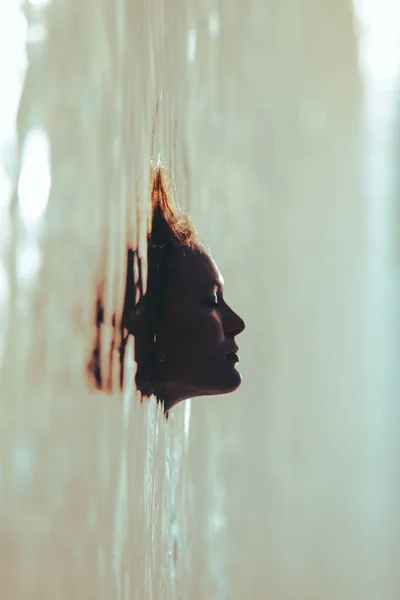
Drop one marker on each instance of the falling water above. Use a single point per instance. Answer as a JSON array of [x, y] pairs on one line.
[[280, 125]]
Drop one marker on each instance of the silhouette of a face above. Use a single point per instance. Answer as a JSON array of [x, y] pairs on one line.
[[197, 333]]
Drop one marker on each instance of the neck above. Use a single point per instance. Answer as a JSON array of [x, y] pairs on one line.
[[171, 394]]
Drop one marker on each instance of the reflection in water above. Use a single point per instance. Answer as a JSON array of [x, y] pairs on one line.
[[378, 42], [379, 55], [34, 179], [33, 193]]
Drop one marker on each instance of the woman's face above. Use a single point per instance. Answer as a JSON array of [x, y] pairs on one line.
[[197, 336]]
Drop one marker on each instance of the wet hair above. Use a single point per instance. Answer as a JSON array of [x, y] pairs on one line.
[[171, 232], [169, 224]]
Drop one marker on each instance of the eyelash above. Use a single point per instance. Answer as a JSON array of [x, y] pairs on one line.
[[214, 302]]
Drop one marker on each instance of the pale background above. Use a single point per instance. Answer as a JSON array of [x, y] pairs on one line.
[[279, 120]]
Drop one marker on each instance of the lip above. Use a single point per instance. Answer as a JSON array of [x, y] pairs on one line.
[[234, 349], [232, 356]]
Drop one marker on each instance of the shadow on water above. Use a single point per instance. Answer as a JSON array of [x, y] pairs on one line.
[[122, 328], [141, 314]]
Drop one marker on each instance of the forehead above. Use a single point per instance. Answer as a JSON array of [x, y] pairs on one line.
[[195, 268]]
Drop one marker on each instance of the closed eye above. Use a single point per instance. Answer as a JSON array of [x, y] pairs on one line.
[[215, 300]]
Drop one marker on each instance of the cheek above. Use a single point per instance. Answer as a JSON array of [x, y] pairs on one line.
[[195, 333]]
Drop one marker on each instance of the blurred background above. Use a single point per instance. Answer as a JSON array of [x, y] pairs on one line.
[[280, 123]]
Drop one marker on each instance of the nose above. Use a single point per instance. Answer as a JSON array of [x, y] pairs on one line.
[[234, 324]]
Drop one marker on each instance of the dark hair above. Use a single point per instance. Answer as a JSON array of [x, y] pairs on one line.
[[171, 232]]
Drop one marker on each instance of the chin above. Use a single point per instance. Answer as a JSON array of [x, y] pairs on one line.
[[223, 383], [230, 383], [237, 380]]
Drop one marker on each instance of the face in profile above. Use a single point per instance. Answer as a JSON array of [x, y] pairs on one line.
[[184, 331], [197, 334]]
